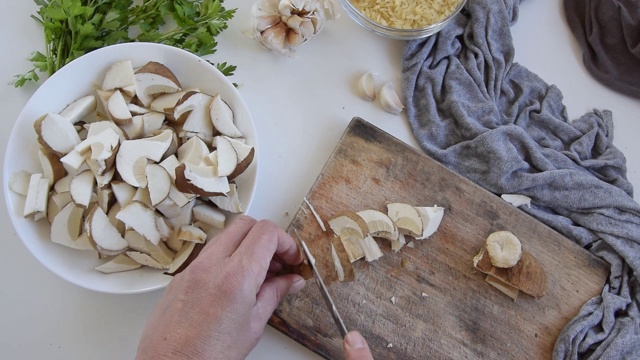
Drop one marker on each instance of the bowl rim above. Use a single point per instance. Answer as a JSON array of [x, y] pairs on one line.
[[398, 33], [8, 166]]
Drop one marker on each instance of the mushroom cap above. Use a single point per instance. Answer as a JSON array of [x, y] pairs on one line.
[[527, 275]]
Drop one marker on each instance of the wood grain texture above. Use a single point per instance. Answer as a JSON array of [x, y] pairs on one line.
[[461, 315]]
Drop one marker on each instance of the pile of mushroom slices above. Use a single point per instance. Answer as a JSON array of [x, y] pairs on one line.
[[357, 230], [140, 172]]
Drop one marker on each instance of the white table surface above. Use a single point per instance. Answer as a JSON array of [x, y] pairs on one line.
[[300, 106]]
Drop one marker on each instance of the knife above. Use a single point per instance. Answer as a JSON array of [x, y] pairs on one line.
[[323, 289]]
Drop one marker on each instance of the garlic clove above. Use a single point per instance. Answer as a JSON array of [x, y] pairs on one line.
[[264, 22], [293, 22], [366, 87], [389, 99], [306, 29], [274, 38], [294, 39]]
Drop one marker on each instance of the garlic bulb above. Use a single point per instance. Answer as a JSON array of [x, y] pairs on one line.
[[367, 87], [389, 99], [281, 25]]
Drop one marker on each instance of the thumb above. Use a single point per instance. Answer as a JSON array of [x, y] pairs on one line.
[[273, 290], [355, 347]]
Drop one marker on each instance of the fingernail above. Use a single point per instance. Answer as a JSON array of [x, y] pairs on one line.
[[354, 340], [297, 285]]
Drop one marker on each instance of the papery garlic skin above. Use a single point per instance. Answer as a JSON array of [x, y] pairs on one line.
[[367, 87], [282, 25], [389, 99]]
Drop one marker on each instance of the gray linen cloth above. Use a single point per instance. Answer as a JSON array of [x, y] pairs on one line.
[[497, 123], [609, 33]]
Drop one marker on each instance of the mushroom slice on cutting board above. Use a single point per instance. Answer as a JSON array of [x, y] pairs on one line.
[[379, 224], [353, 232], [431, 218], [406, 218]]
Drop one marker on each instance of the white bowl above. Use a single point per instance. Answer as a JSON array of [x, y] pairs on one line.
[[77, 79]]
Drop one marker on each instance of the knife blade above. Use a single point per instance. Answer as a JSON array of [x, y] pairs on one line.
[[323, 289]]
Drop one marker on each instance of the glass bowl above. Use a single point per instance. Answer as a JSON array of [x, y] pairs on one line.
[[396, 33]]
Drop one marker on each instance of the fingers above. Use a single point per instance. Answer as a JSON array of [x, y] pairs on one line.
[[273, 290], [356, 347], [266, 241], [227, 241]]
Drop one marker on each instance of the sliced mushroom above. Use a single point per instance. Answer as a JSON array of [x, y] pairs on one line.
[[166, 104], [66, 227], [119, 263], [227, 159], [193, 152], [222, 118], [73, 161], [229, 201], [97, 127], [56, 134], [194, 109], [431, 218], [158, 252], [406, 218], [191, 233], [123, 192], [142, 219], [79, 109], [102, 232], [181, 257], [81, 188], [154, 79], [131, 160], [118, 76], [52, 168], [170, 164], [209, 215], [379, 224], [146, 260], [245, 155], [350, 231], [134, 129], [56, 202], [19, 182], [200, 180], [152, 123], [118, 109], [102, 148], [159, 183]]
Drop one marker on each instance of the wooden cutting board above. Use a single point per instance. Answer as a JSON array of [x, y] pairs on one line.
[[443, 307]]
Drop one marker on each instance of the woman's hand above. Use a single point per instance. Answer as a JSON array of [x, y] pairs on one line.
[[219, 306]]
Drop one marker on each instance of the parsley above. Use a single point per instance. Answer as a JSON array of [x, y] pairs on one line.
[[73, 28]]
